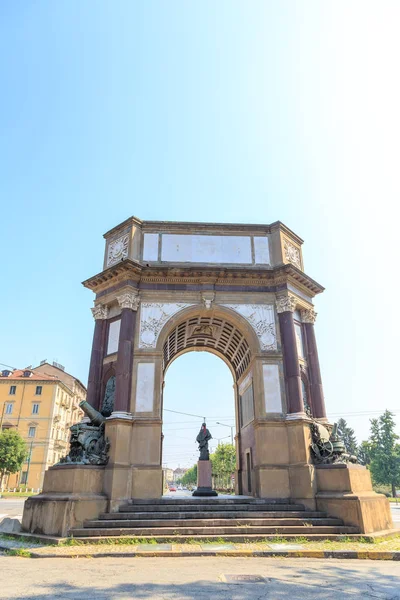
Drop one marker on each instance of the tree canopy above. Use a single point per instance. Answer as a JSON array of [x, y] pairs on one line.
[[13, 452], [385, 451], [348, 436]]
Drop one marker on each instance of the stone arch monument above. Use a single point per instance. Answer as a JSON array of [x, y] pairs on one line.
[[238, 291]]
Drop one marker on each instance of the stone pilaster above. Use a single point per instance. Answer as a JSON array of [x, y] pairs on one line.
[[129, 303], [285, 307], [100, 314], [308, 317]]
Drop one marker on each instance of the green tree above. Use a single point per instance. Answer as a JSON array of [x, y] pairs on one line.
[[190, 477], [364, 453], [13, 452], [385, 452], [347, 434], [224, 461]]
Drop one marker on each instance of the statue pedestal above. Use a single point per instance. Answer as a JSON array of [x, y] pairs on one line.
[[204, 479]]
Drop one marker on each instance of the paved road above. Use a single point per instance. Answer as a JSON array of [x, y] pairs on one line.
[[14, 508], [197, 579]]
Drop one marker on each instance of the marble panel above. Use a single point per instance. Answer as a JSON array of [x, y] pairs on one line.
[[262, 319], [272, 389], [145, 387], [261, 250], [153, 317], [206, 248], [150, 246], [113, 336]]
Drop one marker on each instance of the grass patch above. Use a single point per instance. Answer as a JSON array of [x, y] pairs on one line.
[[23, 552]]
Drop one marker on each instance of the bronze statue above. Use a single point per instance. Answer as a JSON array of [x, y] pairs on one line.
[[88, 443], [327, 447], [203, 437]]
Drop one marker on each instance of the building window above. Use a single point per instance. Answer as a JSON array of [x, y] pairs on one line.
[[27, 373], [35, 408], [5, 373], [9, 408], [24, 477], [38, 390], [13, 389], [32, 432]]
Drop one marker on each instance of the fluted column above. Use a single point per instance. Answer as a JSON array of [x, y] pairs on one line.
[[285, 308], [129, 303], [100, 314], [308, 317]]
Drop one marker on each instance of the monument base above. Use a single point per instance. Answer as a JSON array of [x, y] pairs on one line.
[[204, 479], [71, 494], [345, 491]]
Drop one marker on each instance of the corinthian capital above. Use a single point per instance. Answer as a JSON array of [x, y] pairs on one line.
[[286, 304], [129, 300], [99, 312], [308, 315]]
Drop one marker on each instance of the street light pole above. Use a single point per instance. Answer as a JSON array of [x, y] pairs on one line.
[[231, 428]]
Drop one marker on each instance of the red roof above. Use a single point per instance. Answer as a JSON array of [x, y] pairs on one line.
[[19, 374]]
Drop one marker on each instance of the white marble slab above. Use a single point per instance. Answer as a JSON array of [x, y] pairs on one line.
[[113, 336], [206, 248], [272, 389], [150, 246], [261, 250], [145, 387], [153, 316], [262, 319]]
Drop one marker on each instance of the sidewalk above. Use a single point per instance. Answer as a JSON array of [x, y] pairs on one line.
[[388, 549]]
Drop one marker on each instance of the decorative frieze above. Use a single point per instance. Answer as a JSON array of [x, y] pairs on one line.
[[286, 304], [153, 317], [261, 318], [292, 253], [308, 315], [117, 250], [129, 300], [99, 312]]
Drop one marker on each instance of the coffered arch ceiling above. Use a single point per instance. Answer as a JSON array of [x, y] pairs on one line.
[[210, 333]]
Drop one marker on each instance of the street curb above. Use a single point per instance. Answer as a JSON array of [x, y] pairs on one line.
[[338, 554]]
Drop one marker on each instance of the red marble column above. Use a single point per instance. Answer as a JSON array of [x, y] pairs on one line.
[[285, 308], [100, 314], [316, 390], [129, 303]]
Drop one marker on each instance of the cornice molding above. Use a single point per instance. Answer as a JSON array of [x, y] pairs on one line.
[[182, 274]]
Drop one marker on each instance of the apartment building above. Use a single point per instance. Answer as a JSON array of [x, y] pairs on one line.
[[41, 403]]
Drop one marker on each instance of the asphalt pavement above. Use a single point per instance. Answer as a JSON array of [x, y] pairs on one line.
[[219, 578]]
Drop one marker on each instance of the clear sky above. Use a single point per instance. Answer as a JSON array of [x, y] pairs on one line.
[[205, 111]]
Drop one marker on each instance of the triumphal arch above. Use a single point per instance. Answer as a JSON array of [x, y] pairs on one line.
[[237, 291]]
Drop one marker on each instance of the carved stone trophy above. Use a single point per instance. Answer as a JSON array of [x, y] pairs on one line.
[[204, 472]]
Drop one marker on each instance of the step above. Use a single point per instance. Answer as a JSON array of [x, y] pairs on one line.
[[208, 531], [236, 538], [211, 500], [207, 507], [278, 514], [179, 523]]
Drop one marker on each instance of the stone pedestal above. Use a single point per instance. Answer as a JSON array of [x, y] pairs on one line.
[[71, 494], [345, 491], [204, 479]]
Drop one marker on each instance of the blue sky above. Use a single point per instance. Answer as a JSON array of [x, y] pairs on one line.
[[230, 111]]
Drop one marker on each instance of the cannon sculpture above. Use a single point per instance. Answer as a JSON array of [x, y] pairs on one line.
[[88, 444], [327, 448]]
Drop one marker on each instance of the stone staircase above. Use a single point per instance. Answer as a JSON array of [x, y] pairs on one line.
[[235, 519]]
